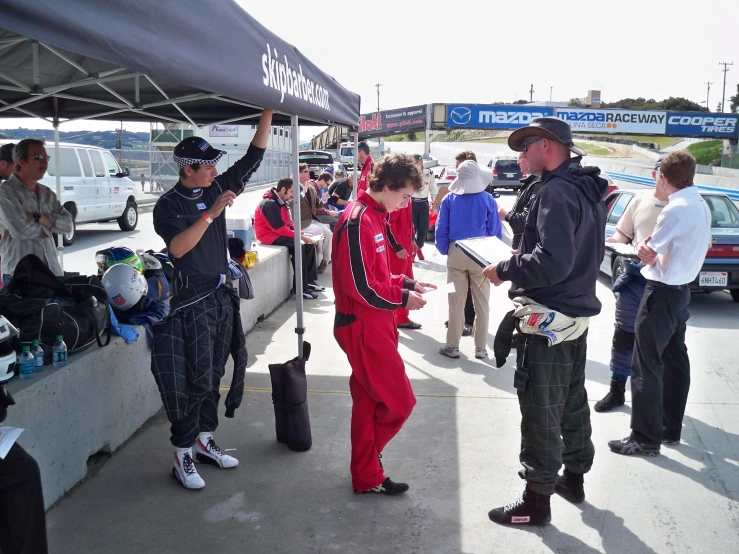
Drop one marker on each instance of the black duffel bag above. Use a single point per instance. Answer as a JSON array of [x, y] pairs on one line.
[[43, 306]]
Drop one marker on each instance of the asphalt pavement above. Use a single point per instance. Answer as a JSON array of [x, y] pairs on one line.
[[458, 451]]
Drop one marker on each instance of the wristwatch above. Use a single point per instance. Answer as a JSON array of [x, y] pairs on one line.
[[36, 217]]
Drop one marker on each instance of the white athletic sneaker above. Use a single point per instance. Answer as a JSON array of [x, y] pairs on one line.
[[481, 353], [184, 470], [207, 452]]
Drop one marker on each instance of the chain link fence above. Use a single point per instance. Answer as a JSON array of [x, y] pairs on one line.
[[158, 169]]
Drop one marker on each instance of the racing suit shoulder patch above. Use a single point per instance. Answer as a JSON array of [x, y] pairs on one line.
[[356, 214]]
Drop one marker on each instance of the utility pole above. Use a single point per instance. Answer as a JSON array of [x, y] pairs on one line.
[[725, 70], [550, 93], [531, 93], [378, 85], [708, 94]]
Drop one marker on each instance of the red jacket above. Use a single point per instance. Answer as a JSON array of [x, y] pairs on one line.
[[401, 226], [367, 167], [360, 261], [272, 220]]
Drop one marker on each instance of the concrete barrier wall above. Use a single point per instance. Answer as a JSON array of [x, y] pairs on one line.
[[104, 395]]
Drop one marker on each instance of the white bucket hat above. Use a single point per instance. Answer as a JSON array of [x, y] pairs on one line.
[[471, 178]]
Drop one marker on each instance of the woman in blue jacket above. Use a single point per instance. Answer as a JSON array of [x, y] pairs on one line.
[[466, 212]]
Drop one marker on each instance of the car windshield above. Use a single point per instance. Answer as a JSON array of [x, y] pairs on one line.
[[316, 159], [508, 165], [347, 151], [724, 214]]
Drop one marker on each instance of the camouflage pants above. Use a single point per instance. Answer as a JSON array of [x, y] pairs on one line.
[[555, 416]]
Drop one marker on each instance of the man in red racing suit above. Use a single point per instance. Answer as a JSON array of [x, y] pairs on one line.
[[401, 258], [365, 326]]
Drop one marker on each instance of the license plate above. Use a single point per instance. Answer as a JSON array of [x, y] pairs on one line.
[[510, 175], [713, 279]]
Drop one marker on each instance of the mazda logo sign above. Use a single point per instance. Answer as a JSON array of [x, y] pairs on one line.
[[460, 115]]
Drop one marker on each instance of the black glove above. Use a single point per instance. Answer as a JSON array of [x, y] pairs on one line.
[[5, 401]]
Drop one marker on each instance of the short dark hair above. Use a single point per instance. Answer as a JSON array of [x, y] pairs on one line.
[[284, 183], [396, 171], [326, 177], [6, 152], [195, 167], [678, 167], [466, 155], [417, 158], [363, 147], [20, 152]]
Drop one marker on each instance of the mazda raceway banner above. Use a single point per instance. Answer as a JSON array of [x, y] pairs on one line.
[[389, 122], [587, 120]]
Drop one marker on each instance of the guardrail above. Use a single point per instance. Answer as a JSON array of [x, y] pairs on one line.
[[647, 181]]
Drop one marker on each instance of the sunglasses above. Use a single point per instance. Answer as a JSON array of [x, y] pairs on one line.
[[41, 157], [526, 143]]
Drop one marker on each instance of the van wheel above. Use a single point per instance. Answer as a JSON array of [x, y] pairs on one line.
[[68, 238], [734, 294], [129, 219]]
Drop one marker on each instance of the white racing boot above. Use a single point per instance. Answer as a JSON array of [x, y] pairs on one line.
[[207, 452], [184, 470]]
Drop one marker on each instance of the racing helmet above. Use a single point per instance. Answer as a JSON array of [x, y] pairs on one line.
[[126, 286], [148, 261], [9, 343], [109, 257]]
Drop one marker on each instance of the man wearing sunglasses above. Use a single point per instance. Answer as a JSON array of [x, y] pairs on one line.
[[553, 279], [30, 212]]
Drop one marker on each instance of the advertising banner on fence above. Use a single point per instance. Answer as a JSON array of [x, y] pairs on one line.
[[586, 120], [390, 122], [224, 131], [702, 124], [485, 116]]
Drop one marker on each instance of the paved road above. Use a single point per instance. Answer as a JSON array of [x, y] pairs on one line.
[[458, 451]]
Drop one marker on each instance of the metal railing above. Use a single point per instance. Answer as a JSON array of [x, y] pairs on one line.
[[648, 181]]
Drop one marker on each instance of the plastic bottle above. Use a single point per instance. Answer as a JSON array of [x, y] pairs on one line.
[[60, 352], [27, 363], [38, 355]]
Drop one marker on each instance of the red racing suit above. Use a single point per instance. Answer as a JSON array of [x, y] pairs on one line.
[[401, 228], [367, 294], [367, 167]]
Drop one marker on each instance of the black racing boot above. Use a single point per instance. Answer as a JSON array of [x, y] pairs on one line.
[[570, 487], [530, 509], [615, 397]]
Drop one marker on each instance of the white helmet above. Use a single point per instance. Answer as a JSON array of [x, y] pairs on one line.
[[9, 336], [125, 285]]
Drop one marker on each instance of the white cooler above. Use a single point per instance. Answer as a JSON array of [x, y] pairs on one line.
[[241, 226]]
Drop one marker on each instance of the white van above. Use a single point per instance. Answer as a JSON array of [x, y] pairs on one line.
[[93, 186]]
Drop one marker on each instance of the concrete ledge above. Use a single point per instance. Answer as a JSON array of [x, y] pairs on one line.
[[104, 395]]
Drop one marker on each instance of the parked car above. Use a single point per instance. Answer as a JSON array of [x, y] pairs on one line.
[[506, 173], [721, 268], [317, 161], [93, 186], [446, 175]]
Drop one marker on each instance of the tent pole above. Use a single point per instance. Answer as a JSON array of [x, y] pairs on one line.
[[355, 189], [299, 328], [57, 162]]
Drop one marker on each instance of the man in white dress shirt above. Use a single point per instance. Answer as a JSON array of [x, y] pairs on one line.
[[673, 255]]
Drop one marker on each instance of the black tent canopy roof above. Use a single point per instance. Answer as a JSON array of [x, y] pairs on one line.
[[177, 61]]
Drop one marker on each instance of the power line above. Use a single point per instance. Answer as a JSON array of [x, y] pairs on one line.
[[723, 97]]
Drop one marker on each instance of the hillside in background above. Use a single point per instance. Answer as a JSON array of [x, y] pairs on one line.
[[104, 139]]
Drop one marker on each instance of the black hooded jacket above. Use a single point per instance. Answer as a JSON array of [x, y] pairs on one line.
[[563, 242]]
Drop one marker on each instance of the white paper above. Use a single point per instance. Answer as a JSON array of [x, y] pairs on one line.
[[621, 248], [448, 289], [490, 249], [8, 436]]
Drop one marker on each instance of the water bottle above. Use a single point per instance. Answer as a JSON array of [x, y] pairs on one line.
[[60, 352], [27, 363], [38, 355]]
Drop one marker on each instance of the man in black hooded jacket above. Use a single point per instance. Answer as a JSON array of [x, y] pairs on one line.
[[553, 278]]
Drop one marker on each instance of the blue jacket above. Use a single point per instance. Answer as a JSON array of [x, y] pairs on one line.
[[466, 216]]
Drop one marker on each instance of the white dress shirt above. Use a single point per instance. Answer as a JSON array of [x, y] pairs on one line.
[[681, 239]]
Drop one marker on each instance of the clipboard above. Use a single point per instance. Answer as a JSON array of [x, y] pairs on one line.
[[622, 250], [485, 251]]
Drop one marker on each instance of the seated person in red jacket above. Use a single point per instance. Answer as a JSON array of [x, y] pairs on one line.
[[272, 225]]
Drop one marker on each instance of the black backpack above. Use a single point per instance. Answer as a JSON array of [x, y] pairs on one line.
[[42, 306]]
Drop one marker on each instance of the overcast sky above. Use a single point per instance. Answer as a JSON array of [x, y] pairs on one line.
[[467, 51]]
